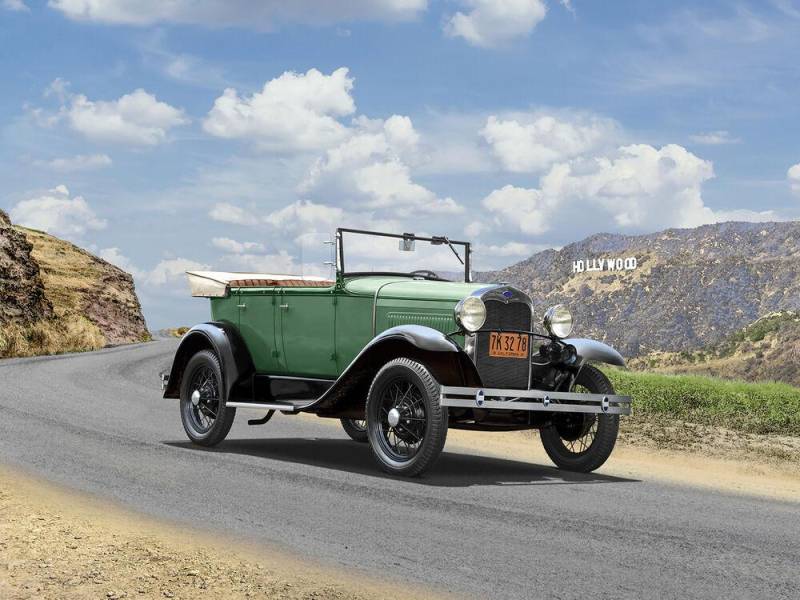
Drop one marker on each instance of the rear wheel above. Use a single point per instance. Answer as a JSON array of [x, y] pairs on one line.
[[356, 429], [205, 417], [582, 442], [406, 426]]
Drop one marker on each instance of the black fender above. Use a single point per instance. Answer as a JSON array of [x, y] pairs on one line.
[[445, 359], [597, 351], [225, 340]]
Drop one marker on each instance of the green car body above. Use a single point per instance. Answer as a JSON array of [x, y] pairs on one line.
[[398, 357], [318, 331]]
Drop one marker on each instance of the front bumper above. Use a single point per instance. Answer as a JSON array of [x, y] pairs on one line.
[[534, 400]]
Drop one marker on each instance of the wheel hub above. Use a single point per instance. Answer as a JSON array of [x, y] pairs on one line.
[[196, 397], [394, 417]]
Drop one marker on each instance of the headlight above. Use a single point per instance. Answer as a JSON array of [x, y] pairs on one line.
[[470, 313], [558, 321]]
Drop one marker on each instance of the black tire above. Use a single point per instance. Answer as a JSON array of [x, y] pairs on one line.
[[582, 442], [356, 429], [407, 387], [208, 421]]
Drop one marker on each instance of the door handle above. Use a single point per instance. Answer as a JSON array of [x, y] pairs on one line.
[[241, 306], [285, 306]]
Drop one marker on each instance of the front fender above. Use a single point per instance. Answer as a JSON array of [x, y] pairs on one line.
[[446, 360], [226, 342], [597, 351]]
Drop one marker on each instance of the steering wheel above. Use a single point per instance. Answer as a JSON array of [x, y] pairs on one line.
[[427, 274]]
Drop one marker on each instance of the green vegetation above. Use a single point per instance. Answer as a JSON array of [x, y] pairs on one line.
[[746, 407]]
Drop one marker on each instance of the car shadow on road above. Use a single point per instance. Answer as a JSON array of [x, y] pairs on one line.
[[453, 469]]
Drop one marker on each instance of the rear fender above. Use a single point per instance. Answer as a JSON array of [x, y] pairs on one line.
[[445, 359], [225, 341]]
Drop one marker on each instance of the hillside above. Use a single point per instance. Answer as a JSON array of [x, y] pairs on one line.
[[690, 288], [56, 297], [766, 350]]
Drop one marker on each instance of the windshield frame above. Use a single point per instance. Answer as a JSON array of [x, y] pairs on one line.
[[341, 273]]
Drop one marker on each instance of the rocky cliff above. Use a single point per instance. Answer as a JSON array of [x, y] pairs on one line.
[[676, 290], [57, 297]]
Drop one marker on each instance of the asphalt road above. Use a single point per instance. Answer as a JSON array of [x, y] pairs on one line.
[[480, 527]]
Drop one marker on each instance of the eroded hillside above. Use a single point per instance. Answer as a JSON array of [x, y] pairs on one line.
[[56, 297]]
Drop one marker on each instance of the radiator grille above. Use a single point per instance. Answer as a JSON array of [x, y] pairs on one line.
[[503, 372]]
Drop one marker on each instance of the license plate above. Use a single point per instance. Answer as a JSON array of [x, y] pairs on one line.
[[508, 345]]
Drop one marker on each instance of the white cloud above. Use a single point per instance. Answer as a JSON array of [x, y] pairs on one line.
[[714, 138], [305, 216], [533, 142], [639, 188], [293, 112], [230, 213], [116, 258], [16, 5], [172, 270], [234, 247], [507, 249], [370, 168], [135, 118], [492, 23], [254, 14], [793, 175], [79, 162], [57, 213]]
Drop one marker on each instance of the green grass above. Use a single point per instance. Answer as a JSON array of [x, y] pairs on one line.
[[741, 406]]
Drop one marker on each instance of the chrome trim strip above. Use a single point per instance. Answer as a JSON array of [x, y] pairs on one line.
[[264, 406]]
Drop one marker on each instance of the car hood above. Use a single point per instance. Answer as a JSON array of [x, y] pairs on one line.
[[412, 289]]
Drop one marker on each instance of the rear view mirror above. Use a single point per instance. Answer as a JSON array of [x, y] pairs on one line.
[[407, 245]]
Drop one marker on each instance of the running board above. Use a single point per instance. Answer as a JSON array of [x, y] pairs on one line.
[[281, 406]]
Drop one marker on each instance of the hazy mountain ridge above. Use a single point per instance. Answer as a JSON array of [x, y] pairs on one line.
[[692, 287]]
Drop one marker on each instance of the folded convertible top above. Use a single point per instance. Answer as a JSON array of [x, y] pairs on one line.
[[216, 284]]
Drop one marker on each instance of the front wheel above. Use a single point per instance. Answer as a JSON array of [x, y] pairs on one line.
[[406, 425], [205, 417], [582, 442]]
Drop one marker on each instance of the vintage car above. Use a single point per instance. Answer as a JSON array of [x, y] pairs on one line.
[[398, 357]]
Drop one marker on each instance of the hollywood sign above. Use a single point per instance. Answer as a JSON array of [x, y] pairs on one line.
[[605, 264]]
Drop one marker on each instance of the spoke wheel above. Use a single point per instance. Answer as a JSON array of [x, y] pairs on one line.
[[578, 441], [356, 429], [205, 417], [405, 424]]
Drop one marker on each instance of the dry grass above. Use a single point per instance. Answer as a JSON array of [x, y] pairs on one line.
[[51, 336]]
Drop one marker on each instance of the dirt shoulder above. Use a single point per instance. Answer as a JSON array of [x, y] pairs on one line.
[[57, 544], [672, 452]]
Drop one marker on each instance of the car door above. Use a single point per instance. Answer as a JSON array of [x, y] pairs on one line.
[[257, 317], [307, 321]]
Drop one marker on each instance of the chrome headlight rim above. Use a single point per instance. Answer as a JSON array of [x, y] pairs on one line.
[[558, 321], [470, 314]]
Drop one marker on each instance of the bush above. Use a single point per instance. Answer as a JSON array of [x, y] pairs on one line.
[[746, 407], [51, 336]]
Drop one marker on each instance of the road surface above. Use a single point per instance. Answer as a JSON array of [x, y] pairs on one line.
[[475, 526]]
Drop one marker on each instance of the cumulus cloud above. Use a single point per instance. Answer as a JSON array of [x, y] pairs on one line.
[[116, 258], [58, 213], [253, 14], [491, 23], [638, 188], [172, 270], [234, 247], [533, 142], [136, 118], [230, 213], [370, 167], [15, 5], [296, 111], [714, 138], [793, 175], [79, 162]]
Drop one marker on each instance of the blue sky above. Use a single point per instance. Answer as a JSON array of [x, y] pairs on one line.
[[236, 134]]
